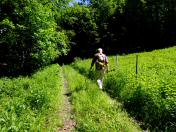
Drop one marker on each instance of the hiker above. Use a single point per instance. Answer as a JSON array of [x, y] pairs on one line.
[[101, 64]]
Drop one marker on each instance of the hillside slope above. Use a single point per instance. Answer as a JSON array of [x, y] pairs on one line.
[[149, 94]]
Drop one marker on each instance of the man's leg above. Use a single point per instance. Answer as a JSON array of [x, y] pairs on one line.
[[100, 83], [100, 75]]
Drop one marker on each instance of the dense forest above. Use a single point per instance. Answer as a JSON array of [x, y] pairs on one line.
[[36, 33]]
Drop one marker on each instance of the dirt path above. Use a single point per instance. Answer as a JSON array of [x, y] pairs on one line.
[[67, 112]]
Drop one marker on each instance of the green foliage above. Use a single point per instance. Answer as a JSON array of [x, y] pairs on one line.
[[122, 26], [104, 8], [94, 110], [77, 16], [31, 103], [79, 24], [29, 36]]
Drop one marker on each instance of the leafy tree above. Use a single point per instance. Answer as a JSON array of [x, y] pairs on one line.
[[79, 24], [29, 36], [103, 9]]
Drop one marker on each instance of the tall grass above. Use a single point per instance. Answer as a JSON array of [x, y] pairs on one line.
[[94, 110], [31, 103], [149, 96]]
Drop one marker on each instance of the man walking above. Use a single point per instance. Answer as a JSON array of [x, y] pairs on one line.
[[101, 64]]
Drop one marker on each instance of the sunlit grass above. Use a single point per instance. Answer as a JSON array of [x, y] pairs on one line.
[[150, 95], [31, 103], [94, 109]]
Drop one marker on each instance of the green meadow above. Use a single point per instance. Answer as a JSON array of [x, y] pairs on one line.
[[94, 110], [136, 95], [146, 88]]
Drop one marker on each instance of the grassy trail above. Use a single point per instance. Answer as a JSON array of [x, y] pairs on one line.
[[94, 110], [66, 112], [146, 88]]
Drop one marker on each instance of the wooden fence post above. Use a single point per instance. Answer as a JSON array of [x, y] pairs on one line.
[[137, 66], [116, 61]]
